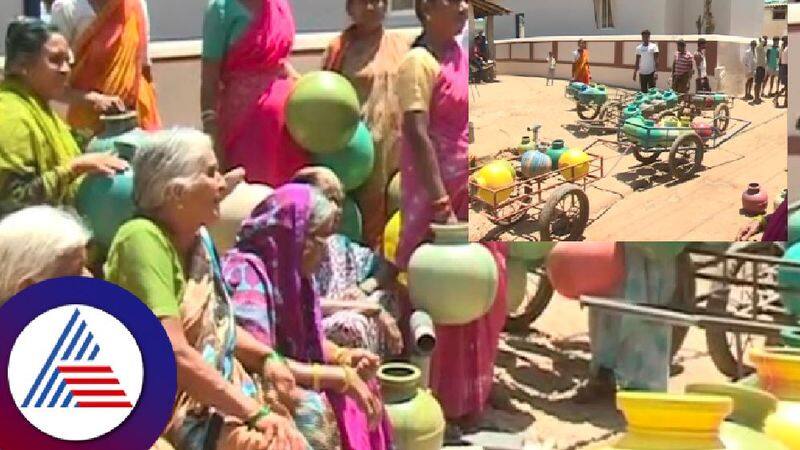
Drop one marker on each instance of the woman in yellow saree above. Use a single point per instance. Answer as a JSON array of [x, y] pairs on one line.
[[110, 39]]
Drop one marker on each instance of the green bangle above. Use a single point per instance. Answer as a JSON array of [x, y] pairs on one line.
[[275, 356], [263, 412]]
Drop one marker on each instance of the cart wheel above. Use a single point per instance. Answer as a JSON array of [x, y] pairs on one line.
[[532, 306], [588, 112], [565, 214], [722, 117], [684, 299], [685, 156], [644, 157], [722, 344]]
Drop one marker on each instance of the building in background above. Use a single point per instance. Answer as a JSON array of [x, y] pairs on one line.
[[615, 17], [183, 19]]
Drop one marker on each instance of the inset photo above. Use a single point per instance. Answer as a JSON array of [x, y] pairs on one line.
[[630, 121]]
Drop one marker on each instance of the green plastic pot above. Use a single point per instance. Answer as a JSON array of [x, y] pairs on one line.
[[322, 112], [790, 277], [353, 164], [791, 337], [417, 419], [352, 224], [451, 279], [556, 149], [106, 202], [794, 226], [529, 251]]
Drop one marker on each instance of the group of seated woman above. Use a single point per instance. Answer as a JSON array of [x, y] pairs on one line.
[[255, 368]]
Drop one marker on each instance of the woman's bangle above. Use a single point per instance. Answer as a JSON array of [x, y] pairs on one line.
[[315, 368], [263, 412], [348, 379], [342, 356]]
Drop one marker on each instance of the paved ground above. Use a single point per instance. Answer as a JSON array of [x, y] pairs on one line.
[[633, 202], [536, 376]]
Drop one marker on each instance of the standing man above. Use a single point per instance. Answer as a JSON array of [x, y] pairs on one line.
[[761, 68], [783, 73], [749, 62], [701, 83], [682, 67], [773, 57], [646, 54]]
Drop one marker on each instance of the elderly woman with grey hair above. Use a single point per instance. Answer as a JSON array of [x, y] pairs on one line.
[[44, 242], [235, 392]]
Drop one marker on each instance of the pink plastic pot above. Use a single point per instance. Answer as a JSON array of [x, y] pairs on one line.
[[754, 199], [586, 268], [703, 129]]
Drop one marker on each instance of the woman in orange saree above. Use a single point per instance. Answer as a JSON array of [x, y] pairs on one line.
[[580, 68], [369, 56], [110, 57]]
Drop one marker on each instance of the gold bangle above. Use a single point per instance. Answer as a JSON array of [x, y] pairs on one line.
[[315, 377], [348, 379], [342, 356]]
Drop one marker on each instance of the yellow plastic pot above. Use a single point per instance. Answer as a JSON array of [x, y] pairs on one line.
[[391, 237], [778, 370], [574, 164], [658, 421], [495, 182]]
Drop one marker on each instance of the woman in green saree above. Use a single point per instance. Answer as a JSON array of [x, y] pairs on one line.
[[40, 161], [233, 391]]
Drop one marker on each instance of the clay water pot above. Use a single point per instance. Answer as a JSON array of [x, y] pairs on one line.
[[451, 279], [586, 268]]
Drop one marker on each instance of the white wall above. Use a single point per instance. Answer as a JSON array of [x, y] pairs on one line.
[[9, 9], [576, 17], [730, 51]]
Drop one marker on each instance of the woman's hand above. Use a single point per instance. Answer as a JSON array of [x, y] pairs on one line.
[[232, 179], [365, 362], [100, 163], [106, 104], [749, 230], [280, 432], [367, 401], [391, 331], [278, 374]]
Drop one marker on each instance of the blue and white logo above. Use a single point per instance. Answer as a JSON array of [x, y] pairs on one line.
[[75, 372]]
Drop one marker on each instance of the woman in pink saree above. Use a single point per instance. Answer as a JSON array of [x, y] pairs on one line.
[[246, 80], [435, 101]]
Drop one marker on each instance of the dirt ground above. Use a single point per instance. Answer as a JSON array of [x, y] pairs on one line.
[[632, 201], [536, 376]]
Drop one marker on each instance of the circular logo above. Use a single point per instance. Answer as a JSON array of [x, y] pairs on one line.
[[88, 367], [67, 384]]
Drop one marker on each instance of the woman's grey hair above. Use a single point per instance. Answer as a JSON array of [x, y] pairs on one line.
[[25, 38], [165, 159], [322, 209], [31, 242], [324, 179]]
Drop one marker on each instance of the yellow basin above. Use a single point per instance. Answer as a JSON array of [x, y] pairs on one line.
[[778, 371], [495, 182], [686, 415]]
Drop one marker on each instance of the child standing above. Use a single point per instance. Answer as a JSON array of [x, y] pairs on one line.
[[551, 68]]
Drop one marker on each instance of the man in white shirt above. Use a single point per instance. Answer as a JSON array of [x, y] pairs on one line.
[[749, 69], [646, 56]]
